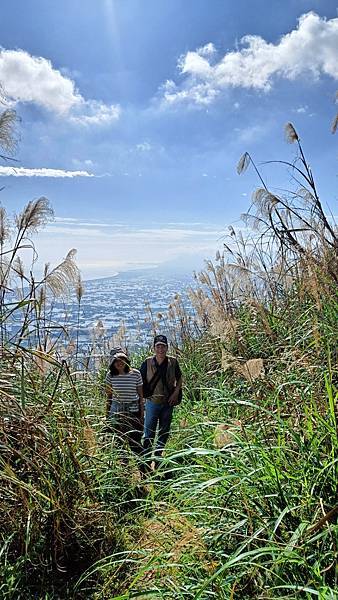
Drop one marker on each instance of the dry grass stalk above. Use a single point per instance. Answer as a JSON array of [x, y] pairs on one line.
[[36, 214], [64, 277], [221, 326], [291, 134], [265, 201], [8, 120], [43, 358], [119, 339], [70, 348], [79, 288], [228, 361], [335, 124], [18, 267], [4, 226], [169, 535], [4, 273], [90, 440], [335, 120], [226, 434], [243, 163], [251, 370]]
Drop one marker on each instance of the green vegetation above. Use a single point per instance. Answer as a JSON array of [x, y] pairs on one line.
[[244, 504]]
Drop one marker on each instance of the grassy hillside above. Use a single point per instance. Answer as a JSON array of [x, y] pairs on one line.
[[244, 504]]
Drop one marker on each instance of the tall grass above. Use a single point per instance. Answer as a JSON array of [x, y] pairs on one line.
[[244, 504], [62, 483]]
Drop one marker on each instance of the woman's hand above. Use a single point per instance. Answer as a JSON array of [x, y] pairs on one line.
[[109, 397], [139, 389]]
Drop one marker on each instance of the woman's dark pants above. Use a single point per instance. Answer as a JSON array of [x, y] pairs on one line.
[[130, 429]]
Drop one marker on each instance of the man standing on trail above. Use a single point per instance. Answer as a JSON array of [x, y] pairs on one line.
[[162, 388]]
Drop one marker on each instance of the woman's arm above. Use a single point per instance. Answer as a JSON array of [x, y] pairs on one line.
[[109, 394], [139, 389]]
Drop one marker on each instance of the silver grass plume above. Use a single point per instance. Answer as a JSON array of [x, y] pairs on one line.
[[8, 119], [4, 272], [291, 134], [335, 120], [42, 297], [243, 163], [264, 200], [209, 266], [4, 226], [252, 221], [70, 349], [204, 278], [305, 195], [79, 289], [36, 214], [18, 267], [65, 276]]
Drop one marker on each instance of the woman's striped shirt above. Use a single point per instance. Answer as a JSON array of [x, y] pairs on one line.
[[125, 398]]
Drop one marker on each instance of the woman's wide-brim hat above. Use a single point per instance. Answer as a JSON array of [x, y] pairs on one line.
[[117, 353]]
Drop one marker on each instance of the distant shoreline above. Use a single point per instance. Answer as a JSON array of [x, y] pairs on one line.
[[158, 270]]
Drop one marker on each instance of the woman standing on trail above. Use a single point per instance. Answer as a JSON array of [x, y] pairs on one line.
[[125, 404]]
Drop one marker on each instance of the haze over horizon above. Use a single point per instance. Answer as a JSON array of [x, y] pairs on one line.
[[134, 115]]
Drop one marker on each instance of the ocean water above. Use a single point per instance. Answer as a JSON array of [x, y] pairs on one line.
[[125, 298], [85, 334]]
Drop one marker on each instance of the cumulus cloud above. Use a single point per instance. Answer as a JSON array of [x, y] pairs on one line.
[[33, 79], [96, 113], [201, 94], [309, 49], [29, 78], [43, 172], [143, 147]]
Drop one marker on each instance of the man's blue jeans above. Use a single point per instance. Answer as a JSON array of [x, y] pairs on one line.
[[161, 415]]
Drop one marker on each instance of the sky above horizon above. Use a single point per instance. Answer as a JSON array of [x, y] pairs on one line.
[[134, 115]]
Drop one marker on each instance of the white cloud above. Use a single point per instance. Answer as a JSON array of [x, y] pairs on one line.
[[144, 147], [75, 222], [207, 50], [301, 109], [252, 133], [81, 232], [29, 78], [33, 79], [115, 249], [201, 94], [309, 49], [96, 113], [43, 172]]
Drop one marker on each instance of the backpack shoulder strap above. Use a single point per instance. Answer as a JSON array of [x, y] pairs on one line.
[[152, 383]]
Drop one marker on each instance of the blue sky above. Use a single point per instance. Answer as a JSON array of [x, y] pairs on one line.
[[134, 114]]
